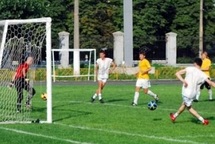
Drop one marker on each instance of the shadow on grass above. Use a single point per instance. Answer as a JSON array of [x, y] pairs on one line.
[[73, 113], [116, 100], [63, 111]]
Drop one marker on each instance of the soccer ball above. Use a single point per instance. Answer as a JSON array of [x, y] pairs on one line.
[[152, 105], [44, 96]]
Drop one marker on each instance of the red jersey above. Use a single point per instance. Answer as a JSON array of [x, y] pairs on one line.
[[19, 70]]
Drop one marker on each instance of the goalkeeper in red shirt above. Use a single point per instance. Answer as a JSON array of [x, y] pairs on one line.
[[20, 81]]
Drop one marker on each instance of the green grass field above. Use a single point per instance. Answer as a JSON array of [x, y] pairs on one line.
[[76, 120]]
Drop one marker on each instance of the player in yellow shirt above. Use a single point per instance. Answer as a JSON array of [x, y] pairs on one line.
[[143, 79], [206, 64]]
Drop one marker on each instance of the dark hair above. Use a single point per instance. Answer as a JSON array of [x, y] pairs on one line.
[[198, 61], [143, 53], [104, 51]]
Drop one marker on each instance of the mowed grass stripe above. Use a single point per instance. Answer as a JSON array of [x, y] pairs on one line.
[[130, 106], [44, 136], [130, 134]]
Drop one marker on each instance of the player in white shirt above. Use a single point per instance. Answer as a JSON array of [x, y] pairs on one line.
[[194, 77], [103, 68]]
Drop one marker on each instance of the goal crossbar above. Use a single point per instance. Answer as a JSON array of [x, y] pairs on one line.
[[21, 21], [75, 50]]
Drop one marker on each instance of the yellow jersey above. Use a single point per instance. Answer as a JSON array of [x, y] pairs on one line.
[[143, 66], [205, 64]]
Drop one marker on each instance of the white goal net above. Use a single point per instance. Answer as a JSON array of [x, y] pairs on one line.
[[63, 68], [20, 39]]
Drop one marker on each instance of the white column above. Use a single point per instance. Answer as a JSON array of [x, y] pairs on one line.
[[118, 46], [76, 54], [171, 48], [128, 31], [64, 44]]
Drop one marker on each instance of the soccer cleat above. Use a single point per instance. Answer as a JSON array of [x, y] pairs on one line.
[[195, 100], [172, 117], [206, 122], [133, 104], [92, 99], [157, 99], [101, 101], [28, 106], [210, 99]]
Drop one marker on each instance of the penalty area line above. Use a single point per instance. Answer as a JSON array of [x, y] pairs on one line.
[[43, 136], [131, 134]]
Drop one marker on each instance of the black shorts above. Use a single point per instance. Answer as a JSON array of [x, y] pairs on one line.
[[21, 83], [205, 84]]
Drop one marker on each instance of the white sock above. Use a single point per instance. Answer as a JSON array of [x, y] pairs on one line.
[[152, 94], [201, 119], [100, 96], [197, 95], [175, 115], [94, 96], [210, 94], [136, 96]]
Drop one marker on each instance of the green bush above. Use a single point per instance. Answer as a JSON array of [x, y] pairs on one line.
[[162, 72]]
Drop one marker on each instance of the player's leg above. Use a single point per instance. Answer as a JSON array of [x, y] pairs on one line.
[[186, 101], [136, 93], [31, 92], [145, 86], [101, 87], [194, 113], [209, 91], [19, 90], [199, 93], [173, 116], [101, 84]]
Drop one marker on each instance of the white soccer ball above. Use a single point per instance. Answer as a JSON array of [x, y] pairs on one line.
[[152, 105], [44, 96]]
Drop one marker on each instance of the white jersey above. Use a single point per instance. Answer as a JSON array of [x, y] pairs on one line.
[[104, 66], [194, 78]]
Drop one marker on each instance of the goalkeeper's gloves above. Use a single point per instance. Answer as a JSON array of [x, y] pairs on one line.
[[27, 80], [11, 84]]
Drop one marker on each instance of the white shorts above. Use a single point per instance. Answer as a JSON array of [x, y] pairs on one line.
[[187, 101], [104, 80], [143, 83]]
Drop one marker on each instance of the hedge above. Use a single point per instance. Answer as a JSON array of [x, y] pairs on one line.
[[40, 74]]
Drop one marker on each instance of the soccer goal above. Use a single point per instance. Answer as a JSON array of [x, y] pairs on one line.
[[20, 39], [62, 64]]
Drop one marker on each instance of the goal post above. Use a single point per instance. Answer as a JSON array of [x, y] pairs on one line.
[[20, 38], [88, 56]]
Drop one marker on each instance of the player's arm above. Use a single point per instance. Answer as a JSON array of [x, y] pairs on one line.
[[25, 74], [12, 81], [206, 68], [179, 76], [147, 70], [13, 77], [113, 66], [97, 68], [210, 82]]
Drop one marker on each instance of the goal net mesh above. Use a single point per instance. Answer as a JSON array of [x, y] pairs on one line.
[[18, 41], [63, 64]]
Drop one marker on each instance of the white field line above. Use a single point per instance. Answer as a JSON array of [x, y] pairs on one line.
[[44, 136], [131, 134], [138, 107], [197, 136]]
